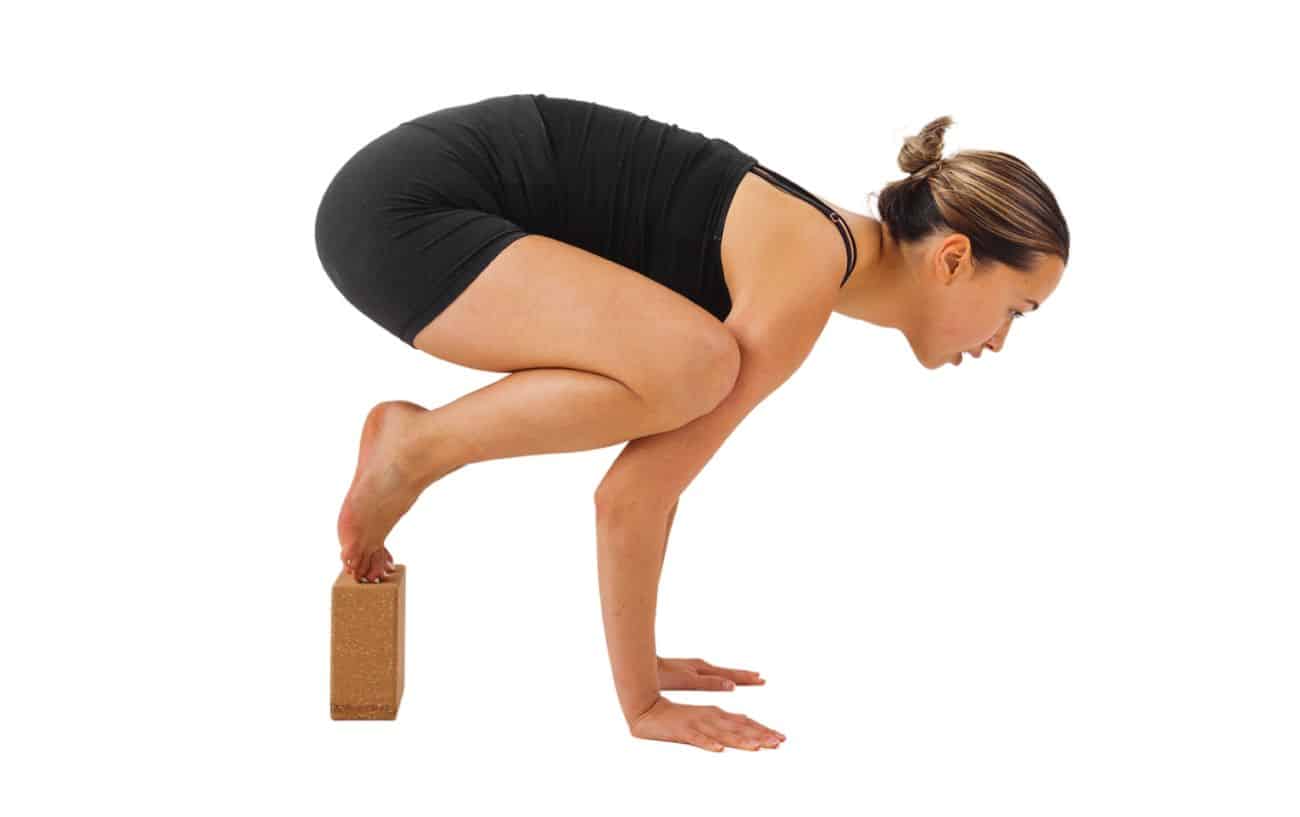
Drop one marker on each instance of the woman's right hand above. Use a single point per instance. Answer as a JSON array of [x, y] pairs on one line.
[[707, 727]]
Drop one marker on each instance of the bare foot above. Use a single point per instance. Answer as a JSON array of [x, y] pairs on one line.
[[384, 487]]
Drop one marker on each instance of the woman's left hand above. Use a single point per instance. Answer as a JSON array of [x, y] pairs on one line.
[[693, 673]]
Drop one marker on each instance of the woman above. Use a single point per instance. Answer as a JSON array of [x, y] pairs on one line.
[[644, 283]]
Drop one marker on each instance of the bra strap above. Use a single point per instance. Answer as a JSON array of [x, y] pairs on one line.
[[830, 212]]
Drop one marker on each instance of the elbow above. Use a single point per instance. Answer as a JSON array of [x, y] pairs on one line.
[[772, 349]]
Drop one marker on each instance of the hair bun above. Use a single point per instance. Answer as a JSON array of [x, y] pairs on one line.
[[929, 168], [925, 148]]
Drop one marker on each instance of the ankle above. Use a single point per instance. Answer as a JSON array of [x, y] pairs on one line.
[[428, 456]]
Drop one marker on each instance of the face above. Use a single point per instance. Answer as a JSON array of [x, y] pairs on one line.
[[966, 310]]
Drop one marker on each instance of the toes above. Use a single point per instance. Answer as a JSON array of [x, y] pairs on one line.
[[351, 556], [362, 565], [376, 566], [369, 567]]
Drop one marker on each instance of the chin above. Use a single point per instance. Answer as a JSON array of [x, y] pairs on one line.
[[925, 358]]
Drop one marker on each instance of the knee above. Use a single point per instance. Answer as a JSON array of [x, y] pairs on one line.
[[693, 382], [715, 370], [618, 502]]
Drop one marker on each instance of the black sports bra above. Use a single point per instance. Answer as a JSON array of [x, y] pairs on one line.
[[838, 220]]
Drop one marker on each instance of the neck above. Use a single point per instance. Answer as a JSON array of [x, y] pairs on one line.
[[876, 291]]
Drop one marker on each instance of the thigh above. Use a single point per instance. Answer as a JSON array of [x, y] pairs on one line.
[[545, 303]]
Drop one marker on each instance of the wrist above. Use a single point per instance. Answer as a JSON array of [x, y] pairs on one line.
[[638, 712]]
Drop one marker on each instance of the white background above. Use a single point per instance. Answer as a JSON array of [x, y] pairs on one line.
[[1060, 580]]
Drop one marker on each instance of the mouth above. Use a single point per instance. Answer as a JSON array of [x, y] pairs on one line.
[[957, 360]]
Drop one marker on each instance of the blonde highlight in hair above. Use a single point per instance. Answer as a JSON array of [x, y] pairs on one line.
[[992, 198]]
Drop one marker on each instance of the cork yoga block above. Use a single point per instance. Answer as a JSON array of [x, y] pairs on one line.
[[367, 659]]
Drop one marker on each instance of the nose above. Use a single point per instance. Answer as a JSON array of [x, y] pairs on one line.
[[994, 343]]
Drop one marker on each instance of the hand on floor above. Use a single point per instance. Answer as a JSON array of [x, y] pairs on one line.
[[707, 727], [693, 673]]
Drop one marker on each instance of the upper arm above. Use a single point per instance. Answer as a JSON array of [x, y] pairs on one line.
[[656, 469], [789, 298], [775, 344]]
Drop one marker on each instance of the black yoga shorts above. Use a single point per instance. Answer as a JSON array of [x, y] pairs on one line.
[[409, 220]]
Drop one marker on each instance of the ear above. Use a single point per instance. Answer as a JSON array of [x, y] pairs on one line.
[[953, 259]]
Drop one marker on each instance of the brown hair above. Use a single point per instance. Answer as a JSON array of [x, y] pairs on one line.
[[990, 197]]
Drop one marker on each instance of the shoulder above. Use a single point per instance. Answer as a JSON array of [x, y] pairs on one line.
[[783, 261], [778, 251]]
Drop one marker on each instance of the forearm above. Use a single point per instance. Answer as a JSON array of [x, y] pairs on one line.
[[638, 499], [629, 555], [668, 529]]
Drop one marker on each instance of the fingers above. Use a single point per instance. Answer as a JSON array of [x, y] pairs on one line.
[[690, 680], [737, 731], [756, 725], [698, 738], [713, 682], [737, 739], [739, 676]]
